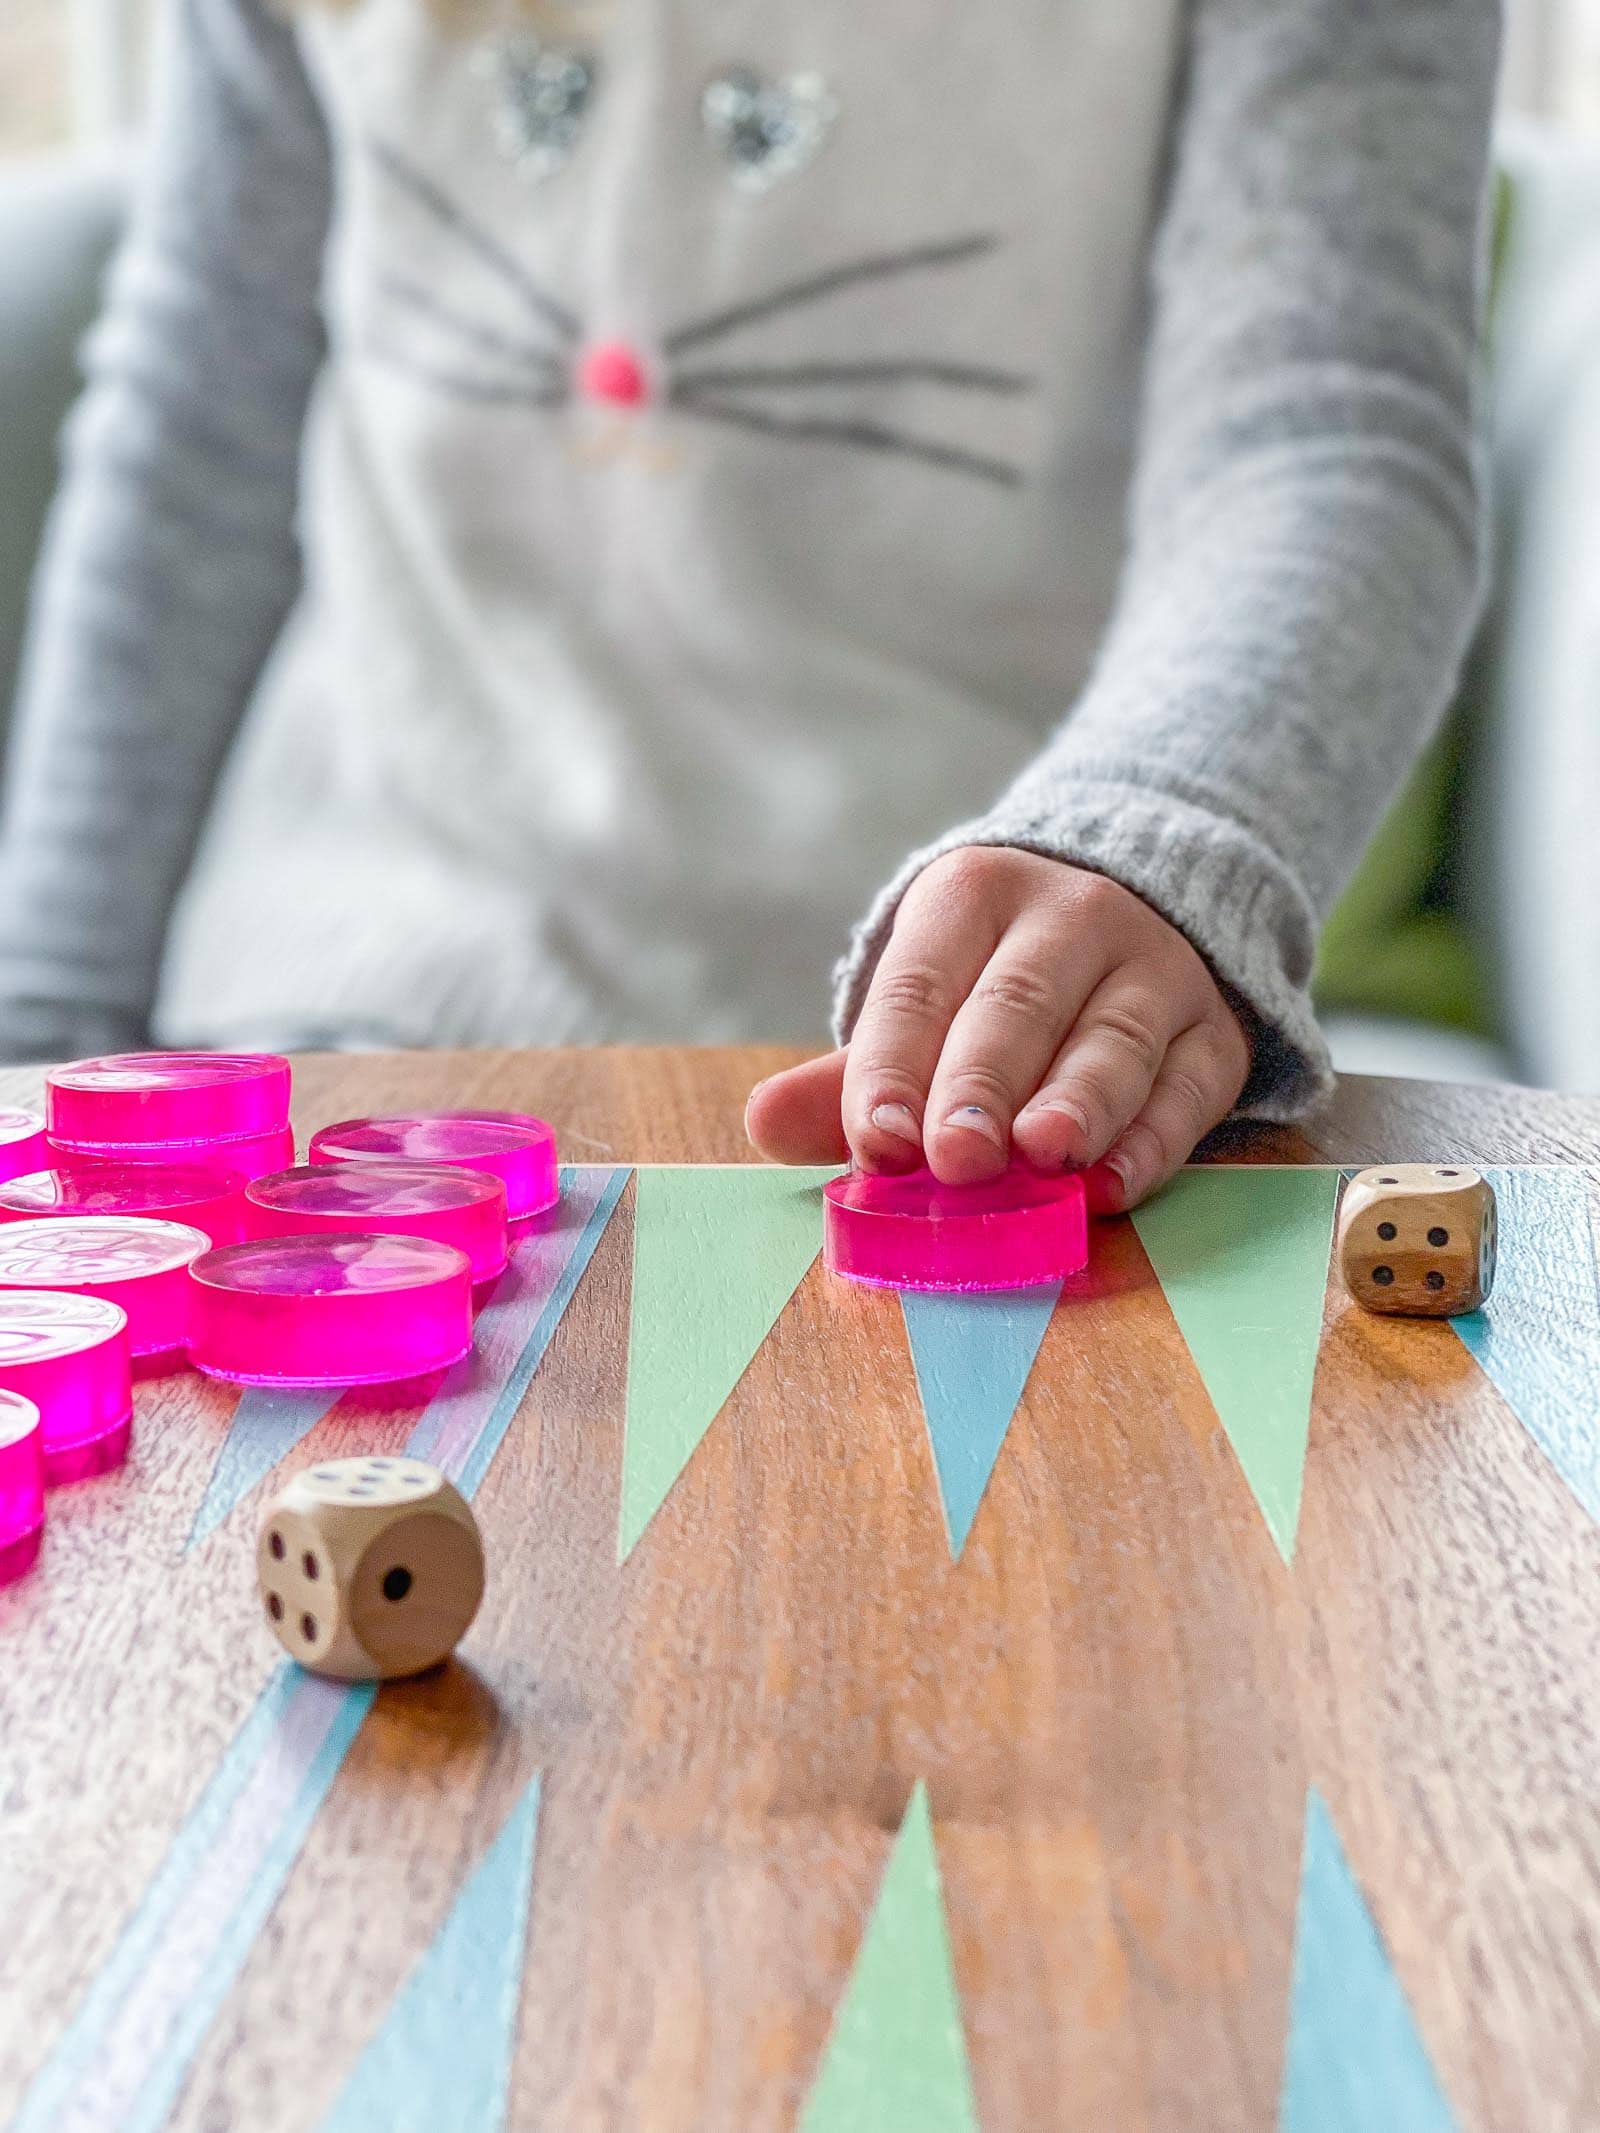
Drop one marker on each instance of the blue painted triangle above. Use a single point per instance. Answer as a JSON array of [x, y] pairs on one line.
[[1538, 1337], [441, 2063], [972, 1356], [265, 1428], [1355, 2056]]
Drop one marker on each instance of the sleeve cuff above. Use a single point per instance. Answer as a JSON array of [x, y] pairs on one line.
[[1219, 885]]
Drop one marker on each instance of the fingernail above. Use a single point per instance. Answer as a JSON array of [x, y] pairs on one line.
[[972, 1118], [1057, 1106], [897, 1120], [1122, 1170]]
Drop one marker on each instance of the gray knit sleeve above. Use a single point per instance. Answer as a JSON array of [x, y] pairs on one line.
[[1303, 560], [170, 560]]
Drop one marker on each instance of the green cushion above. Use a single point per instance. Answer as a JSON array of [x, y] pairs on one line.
[[1396, 943]]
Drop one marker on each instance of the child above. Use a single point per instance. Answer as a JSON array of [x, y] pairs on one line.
[[601, 485]]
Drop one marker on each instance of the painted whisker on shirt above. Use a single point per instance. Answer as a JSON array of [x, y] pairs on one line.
[[962, 377], [487, 392], [411, 296], [865, 436], [879, 267], [444, 211]]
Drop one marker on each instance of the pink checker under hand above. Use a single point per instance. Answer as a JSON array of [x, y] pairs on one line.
[[174, 1098], [209, 1200], [326, 1310], [141, 1266], [69, 1355], [21, 1486], [22, 1144], [912, 1232], [466, 1208], [519, 1151]]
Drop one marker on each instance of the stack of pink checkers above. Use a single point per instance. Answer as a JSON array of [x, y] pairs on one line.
[[221, 1110], [519, 1151], [361, 1265], [912, 1232]]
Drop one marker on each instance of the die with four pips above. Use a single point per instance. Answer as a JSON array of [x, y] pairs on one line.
[[1418, 1240]]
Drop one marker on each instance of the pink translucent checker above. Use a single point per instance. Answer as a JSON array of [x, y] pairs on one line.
[[133, 1098], [466, 1208], [69, 1355], [912, 1232], [519, 1151], [22, 1143], [254, 1156], [209, 1200], [21, 1486], [326, 1310], [141, 1266]]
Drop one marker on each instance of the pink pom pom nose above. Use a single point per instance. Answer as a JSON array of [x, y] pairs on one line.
[[611, 371]]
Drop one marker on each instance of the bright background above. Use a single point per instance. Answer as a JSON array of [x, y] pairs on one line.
[[1469, 944]]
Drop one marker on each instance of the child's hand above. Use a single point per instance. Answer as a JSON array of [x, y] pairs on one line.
[[1020, 1001]]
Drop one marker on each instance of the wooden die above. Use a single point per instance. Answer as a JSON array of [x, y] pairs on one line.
[[1418, 1239], [369, 1568]]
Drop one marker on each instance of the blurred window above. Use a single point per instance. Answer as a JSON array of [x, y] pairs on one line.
[[71, 71]]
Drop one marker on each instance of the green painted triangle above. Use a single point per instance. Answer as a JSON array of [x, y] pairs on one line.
[[897, 2059], [1242, 1255], [717, 1253]]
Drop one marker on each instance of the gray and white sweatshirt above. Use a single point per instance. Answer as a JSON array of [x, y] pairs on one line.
[[565, 504]]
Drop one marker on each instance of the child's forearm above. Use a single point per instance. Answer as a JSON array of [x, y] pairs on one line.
[[170, 560], [1304, 564]]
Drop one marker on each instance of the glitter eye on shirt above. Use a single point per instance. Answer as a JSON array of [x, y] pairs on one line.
[[766, 131], [762, 131], [543, 96]]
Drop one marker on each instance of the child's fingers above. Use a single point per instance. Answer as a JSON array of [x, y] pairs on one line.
[[1103, 1075], [1197, 1087], [794, 1117], [940, 943], [1002, 1039]]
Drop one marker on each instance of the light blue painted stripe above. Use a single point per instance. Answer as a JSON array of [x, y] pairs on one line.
[[126, 2053], [1355, 2062], [134, 1953], [124, 2057], [441, 2062], [467, 1421], [1538, 1338], [265, 1428], [244, 1921], [973, 1355], [478, 1459]]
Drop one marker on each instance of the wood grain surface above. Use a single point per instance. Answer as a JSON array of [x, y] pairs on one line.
[[1117, 1697]]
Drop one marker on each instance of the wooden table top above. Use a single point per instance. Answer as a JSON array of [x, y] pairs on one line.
[[1150, 1806]]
